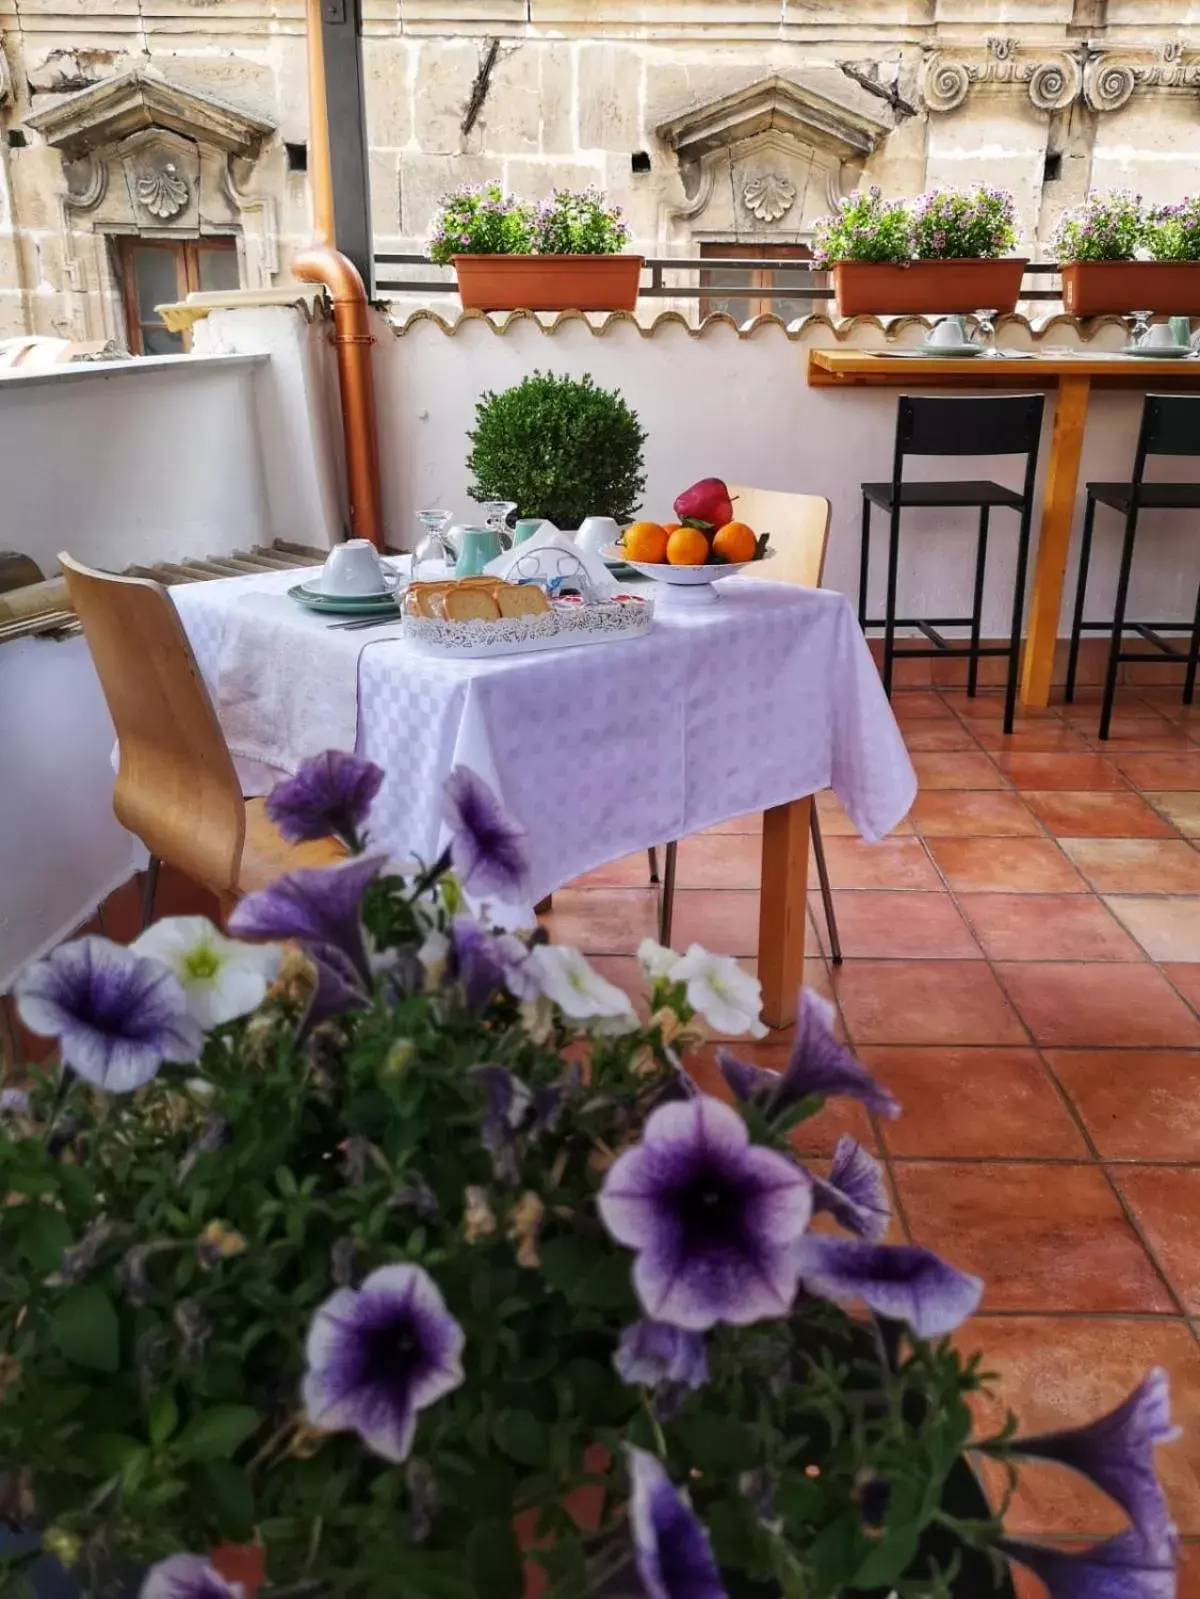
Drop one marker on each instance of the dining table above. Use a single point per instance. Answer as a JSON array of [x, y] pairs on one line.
[[1072, 375], [753, 703]]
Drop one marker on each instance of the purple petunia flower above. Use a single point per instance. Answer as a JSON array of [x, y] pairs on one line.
[[488, 847], [475, 961], [14, 1102], [1123, 1567], [855, 1192], [117, 1015], [672, 1552], [187, 1577], [320, 906], [378, 1355], [898, 1281], [818, 1065], [329, 797], [714, 1219], [1116, 1452], [653, 1354]]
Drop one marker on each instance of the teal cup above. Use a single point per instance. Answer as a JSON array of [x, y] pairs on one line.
[[1181, 329], [477, 546], [526, 527]]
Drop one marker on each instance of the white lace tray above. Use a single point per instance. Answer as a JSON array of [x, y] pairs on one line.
[[564, 626]]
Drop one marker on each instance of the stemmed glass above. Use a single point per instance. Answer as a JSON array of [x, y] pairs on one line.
[[1141, 325], [432, 545], [495, 515], [985, 330]]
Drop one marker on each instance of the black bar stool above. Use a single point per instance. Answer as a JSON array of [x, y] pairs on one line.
[[1011, 425], [1170, 426]]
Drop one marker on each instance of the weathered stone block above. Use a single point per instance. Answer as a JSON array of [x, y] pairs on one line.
[[609, 76], [37, 182], [534, 180], [556, 69], [388, 89], [446, 72], [424, 179], [245, 84], [462, 16], [512, 113], [385, 191]]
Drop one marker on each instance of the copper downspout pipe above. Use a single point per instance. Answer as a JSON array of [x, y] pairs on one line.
[[352, 336]]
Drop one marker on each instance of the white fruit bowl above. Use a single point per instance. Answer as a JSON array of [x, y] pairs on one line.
[[686, 585]]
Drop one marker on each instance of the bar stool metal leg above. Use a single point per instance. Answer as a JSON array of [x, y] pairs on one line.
[[653, 854], [889, 633], [667, 907], [835, 943], [977, 608], [864, 564], [1189, 682], [1085, 558], [1018, 613], [1118, 625]]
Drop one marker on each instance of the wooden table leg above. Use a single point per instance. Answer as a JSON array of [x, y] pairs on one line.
[[1058, 512], [783, 909]]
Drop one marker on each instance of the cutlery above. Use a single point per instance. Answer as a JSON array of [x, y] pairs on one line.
[[364, 622]]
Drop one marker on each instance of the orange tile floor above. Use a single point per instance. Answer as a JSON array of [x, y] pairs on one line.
[[1022, 969], [1023, 972]]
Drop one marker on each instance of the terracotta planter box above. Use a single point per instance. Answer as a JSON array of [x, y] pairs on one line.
[[548, 282], [1092, 288], [885, 288]]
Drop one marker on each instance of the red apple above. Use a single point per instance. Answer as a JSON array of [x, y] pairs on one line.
[[706, 503]]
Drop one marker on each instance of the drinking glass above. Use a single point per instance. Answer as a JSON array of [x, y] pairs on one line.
[[495, 515], [431, 547], [1141, 325], [985, 331]]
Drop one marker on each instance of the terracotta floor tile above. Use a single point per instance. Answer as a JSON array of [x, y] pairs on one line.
[[924, 1002], [1031, 738], [970, 1103], [122, 912], [836, 824], [1041, 771], [1187, 980], [1042, 1237], [1181, 807], [1047, 927], [1166, 1203], [957, 771], [1136, 865], [1136, 733], [978, 813], [1136, 1104], [1095, 814], [921, 737], [723, 920], [1058, 1372], [819, 1134], [989, 707], [918, 927], [737, 824], [1129, 1005], [631, 871], [1161, 771], [1168, 929], [919, 703], [893, 863], [1128, 702], [728, 860], [605, 921], [180, 895], [999, 865]]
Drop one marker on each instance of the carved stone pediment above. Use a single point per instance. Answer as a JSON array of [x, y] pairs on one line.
[[778, 105], [162, 179], [111, 111], [1102, 79]]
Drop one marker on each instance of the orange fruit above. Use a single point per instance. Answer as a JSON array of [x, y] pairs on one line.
[[645, 541], [687, 546], [672, 527], [735, 541]]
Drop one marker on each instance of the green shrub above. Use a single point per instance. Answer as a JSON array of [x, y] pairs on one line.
[[559, 447]]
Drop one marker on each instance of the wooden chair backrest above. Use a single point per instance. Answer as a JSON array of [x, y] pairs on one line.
[[176, 786], [799, 529]]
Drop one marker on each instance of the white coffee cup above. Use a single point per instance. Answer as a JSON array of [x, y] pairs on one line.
[[1160, 336], [354, 569], [947, 333], [597, 533]]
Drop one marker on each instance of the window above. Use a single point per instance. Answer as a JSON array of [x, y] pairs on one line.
[[735, 287], [157, 272]]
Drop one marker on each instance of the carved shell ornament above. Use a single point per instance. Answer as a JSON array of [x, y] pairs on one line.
[[769, 197], [162, 191]]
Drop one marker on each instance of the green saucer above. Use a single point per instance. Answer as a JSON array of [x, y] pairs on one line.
[[344, 604]]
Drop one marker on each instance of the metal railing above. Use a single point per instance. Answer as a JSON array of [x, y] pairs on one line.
[[794, 288]]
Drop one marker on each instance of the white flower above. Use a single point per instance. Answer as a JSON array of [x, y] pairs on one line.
[[655, 959], [579, 991], [221, 978], [728, 998], [433, 955]]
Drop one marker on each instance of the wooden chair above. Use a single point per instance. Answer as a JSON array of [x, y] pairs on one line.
[[799, 529], [176, 786]]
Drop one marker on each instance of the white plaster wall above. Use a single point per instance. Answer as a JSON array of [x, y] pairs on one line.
[[132, 462], [740, 408]]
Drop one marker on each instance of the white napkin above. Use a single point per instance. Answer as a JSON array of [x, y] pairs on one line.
[[549, 540]]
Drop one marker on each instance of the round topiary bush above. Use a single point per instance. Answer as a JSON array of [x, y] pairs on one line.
[[560, 448]]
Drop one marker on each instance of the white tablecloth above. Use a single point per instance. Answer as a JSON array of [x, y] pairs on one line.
[[767, 696]]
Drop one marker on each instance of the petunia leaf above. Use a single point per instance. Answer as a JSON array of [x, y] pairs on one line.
[[522, 1437], [215, 1434], [85, 1329], [494, 1560], [44, 1235], [227, 1488], [162, 1416]]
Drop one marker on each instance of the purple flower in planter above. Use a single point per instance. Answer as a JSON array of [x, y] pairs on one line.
[[117, 1015], [1124, 1567], [320, 906], [488, 846], [653, 1354], [14, 1102], [671, 1548], [475, 961], [818, 1065], [329, 797], [187, 1577], [378, 1355], [714, 1219], [1116, 1452], [898, 1281], [855, 1192]]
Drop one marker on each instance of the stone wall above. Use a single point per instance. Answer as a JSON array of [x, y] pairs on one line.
[[721, 102]]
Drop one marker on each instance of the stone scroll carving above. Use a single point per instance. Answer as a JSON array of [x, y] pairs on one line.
[[1103, 80]]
